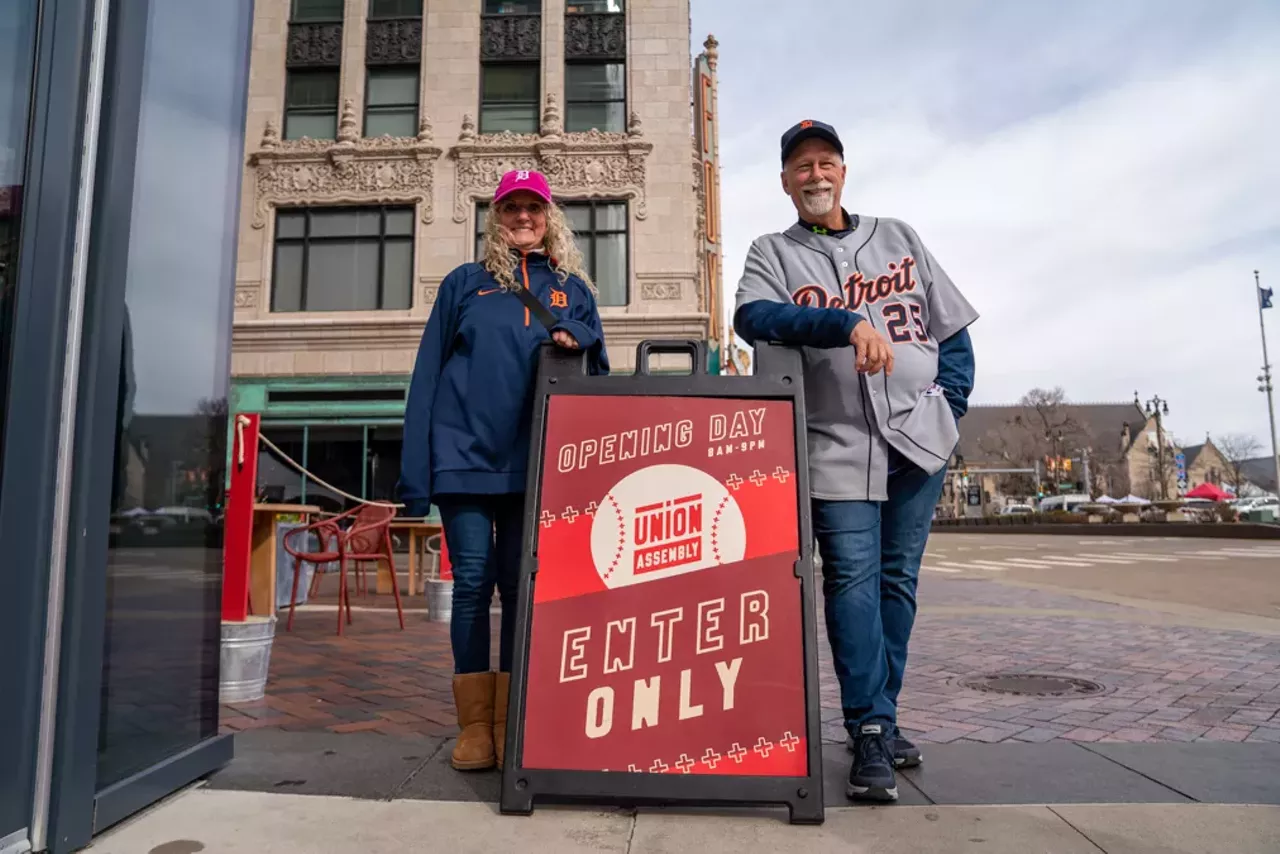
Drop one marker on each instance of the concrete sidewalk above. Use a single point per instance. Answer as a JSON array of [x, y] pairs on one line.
[[230, 822]]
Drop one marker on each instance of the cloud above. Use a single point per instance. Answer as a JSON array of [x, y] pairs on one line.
[[1101, 185]]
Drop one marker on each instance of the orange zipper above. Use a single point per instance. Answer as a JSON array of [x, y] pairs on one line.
[[524, 270]]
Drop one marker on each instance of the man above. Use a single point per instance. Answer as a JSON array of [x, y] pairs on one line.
[[882, 421]]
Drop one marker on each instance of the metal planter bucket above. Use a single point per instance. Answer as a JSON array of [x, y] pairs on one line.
[[439, 600], [245, 659]]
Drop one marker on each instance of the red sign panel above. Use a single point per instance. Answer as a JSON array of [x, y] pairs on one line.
[[667, 631]]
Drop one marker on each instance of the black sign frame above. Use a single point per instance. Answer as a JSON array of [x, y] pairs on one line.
[[778, 377]]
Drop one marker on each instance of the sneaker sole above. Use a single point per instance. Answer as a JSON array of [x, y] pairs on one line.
[[871, 793]]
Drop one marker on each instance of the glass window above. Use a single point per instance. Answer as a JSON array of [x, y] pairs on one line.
[[164, 561], [600, 230], [592, 7], [343, 259], [383, 462], [316, 10], [482, 210], [395, 9], [391, 102], [512, 7], [311, 104], [595, 97], [277, 480], [509, 98], [17, 40], [336, 456]]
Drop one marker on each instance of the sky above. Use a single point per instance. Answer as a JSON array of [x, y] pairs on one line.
[[1101, 179]]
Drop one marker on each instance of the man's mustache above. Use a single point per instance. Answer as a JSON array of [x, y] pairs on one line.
[[818, 186]]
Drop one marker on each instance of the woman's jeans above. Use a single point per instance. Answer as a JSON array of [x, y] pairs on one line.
[[484, 535]]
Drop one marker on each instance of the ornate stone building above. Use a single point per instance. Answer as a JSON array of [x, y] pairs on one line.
[[376, 132]]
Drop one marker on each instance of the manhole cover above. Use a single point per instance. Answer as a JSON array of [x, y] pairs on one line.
[[1032, 683]]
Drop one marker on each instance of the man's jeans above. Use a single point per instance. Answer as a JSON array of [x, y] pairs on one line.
[[484, 536], [871, 554]]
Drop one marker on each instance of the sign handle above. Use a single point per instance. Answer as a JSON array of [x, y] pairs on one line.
[[696, 350]]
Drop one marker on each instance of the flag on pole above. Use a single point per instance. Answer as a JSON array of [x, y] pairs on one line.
[[1264, 296]]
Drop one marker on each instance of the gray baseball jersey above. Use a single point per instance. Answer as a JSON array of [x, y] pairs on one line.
[[882, 271]]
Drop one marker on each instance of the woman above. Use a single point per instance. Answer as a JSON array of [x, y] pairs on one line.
[[467, 426]]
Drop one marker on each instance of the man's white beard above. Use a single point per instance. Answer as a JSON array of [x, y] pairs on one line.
[[820, 203]]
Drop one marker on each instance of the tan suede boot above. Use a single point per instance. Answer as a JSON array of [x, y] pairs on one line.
[[502, 688], [473, 698]]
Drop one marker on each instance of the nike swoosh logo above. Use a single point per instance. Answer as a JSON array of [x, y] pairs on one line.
[[487, 291]]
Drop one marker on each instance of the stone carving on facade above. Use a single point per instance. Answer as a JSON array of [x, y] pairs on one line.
[[712, 48], [349, 170], [592, 164], [315, 45], [393, 42], [595, 36], [508, 37], [552, 123], [247, 294], [659, 290], [430, 290]]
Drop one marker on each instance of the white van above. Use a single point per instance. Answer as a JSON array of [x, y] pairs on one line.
[[1068, 503]]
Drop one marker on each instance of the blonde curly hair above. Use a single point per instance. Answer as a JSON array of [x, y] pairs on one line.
[[558, 243]]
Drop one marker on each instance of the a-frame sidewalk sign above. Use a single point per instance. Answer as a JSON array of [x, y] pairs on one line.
[[665, 638]]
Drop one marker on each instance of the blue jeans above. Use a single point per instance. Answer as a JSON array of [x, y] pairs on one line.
[[484, 536], [871, 553]]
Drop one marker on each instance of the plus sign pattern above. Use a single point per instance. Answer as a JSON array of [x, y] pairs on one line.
[[666, 635]]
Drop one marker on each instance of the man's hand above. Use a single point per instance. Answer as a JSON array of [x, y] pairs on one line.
[[873, 351]]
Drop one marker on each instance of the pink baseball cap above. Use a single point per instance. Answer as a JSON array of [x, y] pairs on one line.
[[534, 182]]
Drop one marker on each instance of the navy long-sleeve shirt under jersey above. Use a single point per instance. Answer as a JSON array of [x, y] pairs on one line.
[[765, 320]]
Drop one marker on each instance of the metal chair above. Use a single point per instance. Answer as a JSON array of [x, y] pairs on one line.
[[367, 539]]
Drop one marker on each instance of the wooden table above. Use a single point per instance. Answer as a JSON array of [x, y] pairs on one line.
[[419, 532], [262, 558]]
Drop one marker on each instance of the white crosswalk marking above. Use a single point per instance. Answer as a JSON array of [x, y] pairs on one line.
[[1159, 558], [1107, 558], [969, 567], [939, 569], [1245, 553], [1056, 560], [1022, 561]]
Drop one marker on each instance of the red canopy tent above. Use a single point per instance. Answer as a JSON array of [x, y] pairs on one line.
[[1209, 491]]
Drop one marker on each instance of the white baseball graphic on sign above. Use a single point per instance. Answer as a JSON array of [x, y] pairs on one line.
[[662, 521]]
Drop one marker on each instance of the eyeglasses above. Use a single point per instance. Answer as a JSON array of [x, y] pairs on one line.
[[516, 208]]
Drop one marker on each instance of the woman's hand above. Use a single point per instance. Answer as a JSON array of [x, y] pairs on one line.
[[564, 339]]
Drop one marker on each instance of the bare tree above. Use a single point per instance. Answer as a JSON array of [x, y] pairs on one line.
[[1236, 449], [1042, 428]]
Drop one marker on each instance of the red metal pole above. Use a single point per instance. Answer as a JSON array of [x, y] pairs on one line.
[[238, 530]]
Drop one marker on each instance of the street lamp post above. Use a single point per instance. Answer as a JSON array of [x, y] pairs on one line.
[[1264, 380], [1158, 407]]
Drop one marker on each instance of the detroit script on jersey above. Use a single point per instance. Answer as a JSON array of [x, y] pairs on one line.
[[667, 627], [882, 271]]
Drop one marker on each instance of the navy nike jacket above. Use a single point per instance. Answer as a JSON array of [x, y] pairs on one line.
[[468, 416]]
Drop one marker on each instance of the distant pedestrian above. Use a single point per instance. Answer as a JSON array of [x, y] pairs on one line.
[[882, 422], [467, 428]]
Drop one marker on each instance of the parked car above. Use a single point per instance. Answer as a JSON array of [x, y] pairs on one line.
[[1017, 510]]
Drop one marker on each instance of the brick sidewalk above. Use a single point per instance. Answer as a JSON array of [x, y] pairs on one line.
[[1162, 683]]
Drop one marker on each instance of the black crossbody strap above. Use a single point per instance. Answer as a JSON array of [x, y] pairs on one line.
[[536, 308]]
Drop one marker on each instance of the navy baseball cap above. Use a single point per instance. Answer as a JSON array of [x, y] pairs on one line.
[[809, 129]]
